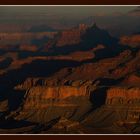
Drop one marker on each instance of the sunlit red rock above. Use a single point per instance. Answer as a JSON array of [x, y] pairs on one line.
[[123, 95]]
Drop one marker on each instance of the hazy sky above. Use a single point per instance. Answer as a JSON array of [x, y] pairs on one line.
[[61, 10]]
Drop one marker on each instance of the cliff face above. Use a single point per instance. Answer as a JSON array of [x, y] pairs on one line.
[[47, 103], [36, 95], [123, 96]]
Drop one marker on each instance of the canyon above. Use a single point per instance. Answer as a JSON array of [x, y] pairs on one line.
[[81, 80]]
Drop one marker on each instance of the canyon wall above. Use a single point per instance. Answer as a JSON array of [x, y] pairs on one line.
[[44, 103], [36, 95], [118, 95]]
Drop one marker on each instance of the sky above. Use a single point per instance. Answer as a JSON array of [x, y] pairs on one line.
[[26, 14], [64, 10]]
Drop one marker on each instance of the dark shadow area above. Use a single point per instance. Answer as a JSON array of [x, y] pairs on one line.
[[108, 52], [109, 82], [2, 52], [25, 54], [94, 36], [13, 124], [15, 99], [4, 64], [98, 97]]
